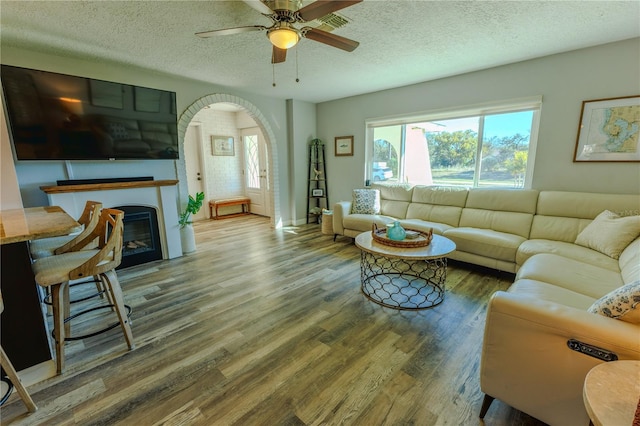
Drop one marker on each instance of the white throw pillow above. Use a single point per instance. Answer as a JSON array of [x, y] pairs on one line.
[[610, 233], [366, 201], [622, 303]]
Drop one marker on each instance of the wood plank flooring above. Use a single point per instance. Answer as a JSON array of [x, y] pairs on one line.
[[269, 327]]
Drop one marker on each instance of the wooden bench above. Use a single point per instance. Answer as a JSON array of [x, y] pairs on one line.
[[245, 202]]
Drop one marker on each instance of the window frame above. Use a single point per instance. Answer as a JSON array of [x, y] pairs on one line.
[[533, 103]]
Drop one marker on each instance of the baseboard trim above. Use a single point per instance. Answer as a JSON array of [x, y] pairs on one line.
[[37, 373]]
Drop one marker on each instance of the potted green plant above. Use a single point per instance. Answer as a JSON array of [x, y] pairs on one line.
[[187, 235]]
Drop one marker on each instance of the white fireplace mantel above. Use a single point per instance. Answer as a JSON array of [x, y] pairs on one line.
[[159, 194]]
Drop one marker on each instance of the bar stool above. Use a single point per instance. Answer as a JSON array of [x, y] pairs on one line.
[[46, 247], [55, 272], [14, 380]]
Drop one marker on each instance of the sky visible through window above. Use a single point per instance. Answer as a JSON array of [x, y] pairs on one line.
[[499, 125]]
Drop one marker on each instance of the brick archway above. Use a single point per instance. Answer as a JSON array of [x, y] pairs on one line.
[[263, 124]]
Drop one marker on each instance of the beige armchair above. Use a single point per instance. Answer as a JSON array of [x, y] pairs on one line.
[[527, 361]]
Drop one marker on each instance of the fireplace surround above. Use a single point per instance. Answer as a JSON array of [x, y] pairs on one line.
[[160, 196]]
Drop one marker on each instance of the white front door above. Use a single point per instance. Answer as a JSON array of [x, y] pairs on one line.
[[256, 171], [193, 164]]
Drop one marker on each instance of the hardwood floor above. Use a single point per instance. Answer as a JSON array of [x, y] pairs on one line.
[[269, 327]]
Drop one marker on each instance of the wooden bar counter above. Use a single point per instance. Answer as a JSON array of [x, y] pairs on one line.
[[23, 330]]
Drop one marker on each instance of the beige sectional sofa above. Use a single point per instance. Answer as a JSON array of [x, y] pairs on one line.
[[537, 332], [496, 228]]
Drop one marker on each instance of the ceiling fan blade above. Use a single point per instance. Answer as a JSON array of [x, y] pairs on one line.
[[321, 8], [278, 55], [259, 6], [330, 39], [230, 31]]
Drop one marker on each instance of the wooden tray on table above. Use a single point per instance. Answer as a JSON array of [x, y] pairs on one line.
[[421, 239]]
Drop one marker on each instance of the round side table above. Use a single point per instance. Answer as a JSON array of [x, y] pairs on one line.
[[612, 392]]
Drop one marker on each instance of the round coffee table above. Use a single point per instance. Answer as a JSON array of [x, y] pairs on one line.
[[404, 278]]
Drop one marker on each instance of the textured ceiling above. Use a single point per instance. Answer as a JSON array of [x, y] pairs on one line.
[[401, 42]]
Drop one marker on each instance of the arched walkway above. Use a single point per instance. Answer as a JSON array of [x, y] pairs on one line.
[[262, 123]]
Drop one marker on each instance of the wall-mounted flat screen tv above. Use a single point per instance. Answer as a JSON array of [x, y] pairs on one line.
[[55, 116]]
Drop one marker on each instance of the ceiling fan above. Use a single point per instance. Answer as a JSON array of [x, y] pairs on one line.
[[284, 14]]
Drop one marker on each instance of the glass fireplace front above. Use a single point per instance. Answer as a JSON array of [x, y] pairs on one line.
[[141, 237]]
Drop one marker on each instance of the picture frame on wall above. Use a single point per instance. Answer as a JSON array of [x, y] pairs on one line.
[[609, 130], [344, 146], [222, 145]]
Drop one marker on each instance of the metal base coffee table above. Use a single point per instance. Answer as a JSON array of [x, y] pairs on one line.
[[404, 278]]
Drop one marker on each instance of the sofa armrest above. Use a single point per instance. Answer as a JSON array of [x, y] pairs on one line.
[[340, 210], [565, 322], [527, 364]]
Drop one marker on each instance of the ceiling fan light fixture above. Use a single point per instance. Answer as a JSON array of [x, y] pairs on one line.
[[283, 37]]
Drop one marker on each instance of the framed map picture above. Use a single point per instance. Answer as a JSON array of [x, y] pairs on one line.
[[609, 130]]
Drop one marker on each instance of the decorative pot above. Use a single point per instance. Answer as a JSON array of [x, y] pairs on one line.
[[396, 232], [188, 239]]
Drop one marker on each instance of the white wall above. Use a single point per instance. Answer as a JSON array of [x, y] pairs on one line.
[[224, 173], [31, 175], [564, 81], [302, 129]]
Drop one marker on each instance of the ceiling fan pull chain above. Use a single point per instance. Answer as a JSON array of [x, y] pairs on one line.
[[297, 79], [273, 66]]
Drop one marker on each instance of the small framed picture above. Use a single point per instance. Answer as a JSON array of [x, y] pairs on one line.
[[318, 192], [344, 145], [222, 145]]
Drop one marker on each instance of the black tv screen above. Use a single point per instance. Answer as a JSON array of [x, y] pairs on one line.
[[55, 116]]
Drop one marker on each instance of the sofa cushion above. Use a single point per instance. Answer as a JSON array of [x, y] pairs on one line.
[[363, 222], [510, 200], [551, 293], [394, 191], [397, 209], [583, 206], [365, 201], [394, 198], [610, 233], [573, 251], [562, 215], [505, 222], [557, 228], [622, 303], [629, 262], [448, 215], [439, 204], [571, 274], [440, 195], [425, 225], [485, 242], [502, 210]]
